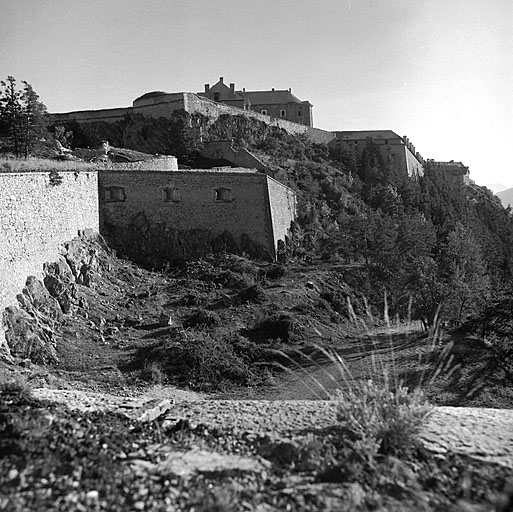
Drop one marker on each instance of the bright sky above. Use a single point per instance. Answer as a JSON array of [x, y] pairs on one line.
[[439, 71]]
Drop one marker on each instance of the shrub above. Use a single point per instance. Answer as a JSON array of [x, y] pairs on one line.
[[202, 317], [255, 294], [194, 358], [379, 419], [15, 392], [280, 325], [275, 272]]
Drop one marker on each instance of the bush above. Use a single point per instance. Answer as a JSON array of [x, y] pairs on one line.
[[381, 420], [255, 294], [203, 318], [196, 359]]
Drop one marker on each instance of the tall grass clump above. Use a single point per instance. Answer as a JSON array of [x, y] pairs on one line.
[[381, 419]]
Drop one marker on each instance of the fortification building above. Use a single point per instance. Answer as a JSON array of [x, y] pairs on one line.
[[454, 173], [397, 151], [280, 103]]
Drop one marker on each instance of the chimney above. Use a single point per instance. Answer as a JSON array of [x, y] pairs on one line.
[[207, 87], [221, 79], [290, 90], [232, 88], [272, 89]]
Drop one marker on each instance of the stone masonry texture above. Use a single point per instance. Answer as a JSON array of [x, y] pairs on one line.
[[187, 200], [39, 211]]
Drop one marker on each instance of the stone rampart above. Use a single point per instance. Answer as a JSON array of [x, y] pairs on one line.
[[195, 104], [166, 216], [39, 211], [165, 105], [160, 163], [282, 201]]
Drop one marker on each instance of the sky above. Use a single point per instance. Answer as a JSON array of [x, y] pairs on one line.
[[438, 71]]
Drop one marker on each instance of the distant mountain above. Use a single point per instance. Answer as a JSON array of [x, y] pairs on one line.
[[506, 196], [496, 187]]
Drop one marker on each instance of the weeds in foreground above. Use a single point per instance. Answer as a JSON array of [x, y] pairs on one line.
[[381, 419], [15, 391]]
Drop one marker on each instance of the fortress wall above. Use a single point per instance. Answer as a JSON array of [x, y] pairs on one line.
[[35, 217], [91, 116], [247, 213], [240, 157], [282, 201], [415, 168], [162, 108], [211, 109]]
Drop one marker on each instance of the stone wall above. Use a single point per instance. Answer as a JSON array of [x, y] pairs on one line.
[[193, 104], [167, 216], [282, 201], [240, 157], [211, 109], [160, 163], [39, 211]]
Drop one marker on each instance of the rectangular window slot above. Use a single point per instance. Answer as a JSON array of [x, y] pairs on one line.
[[172, 194], [114, 194], [283, 113], [223, 195]]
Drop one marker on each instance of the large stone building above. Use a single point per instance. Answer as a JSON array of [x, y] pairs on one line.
[[279, 103], [454, 173], [395, 150], [171, 215]]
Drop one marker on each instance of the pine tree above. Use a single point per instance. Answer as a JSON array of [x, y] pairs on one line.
[[34, 121], [10, 114], [22, 117]]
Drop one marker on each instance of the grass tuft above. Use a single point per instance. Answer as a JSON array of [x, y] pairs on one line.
[[33, 164], [381, 419]]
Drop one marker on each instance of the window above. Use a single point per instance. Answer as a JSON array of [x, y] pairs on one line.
[[216, 96], [299, 113], [283, 113], [263, 112], [172, 194], [223, 195], [113, 194], [386, 141]]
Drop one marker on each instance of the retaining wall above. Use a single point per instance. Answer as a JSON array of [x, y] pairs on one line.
[[36, 215]]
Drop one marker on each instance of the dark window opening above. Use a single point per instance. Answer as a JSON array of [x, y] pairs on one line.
[[113, 194], [223, 195], [173, 195], [283, 113], [216, 96], [299, 113], [386, 141], [263, 112]]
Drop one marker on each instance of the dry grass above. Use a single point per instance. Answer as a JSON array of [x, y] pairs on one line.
[[34, 164]]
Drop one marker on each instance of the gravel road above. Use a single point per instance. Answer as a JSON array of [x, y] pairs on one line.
[[485, 434]]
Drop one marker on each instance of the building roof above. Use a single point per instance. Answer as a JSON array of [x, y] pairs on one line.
[[270, 97], [149, 95], [367, 134]]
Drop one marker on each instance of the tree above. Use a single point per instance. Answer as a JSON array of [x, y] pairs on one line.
[[10, 113], [467, 276], [34, 121], [22, 117]]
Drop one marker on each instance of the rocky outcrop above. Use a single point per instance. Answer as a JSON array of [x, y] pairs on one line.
[[29, 329]]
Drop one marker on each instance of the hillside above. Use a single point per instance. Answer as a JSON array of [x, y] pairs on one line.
[[373, 261]]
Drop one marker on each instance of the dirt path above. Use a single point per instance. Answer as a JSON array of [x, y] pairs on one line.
[[484, 434]]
